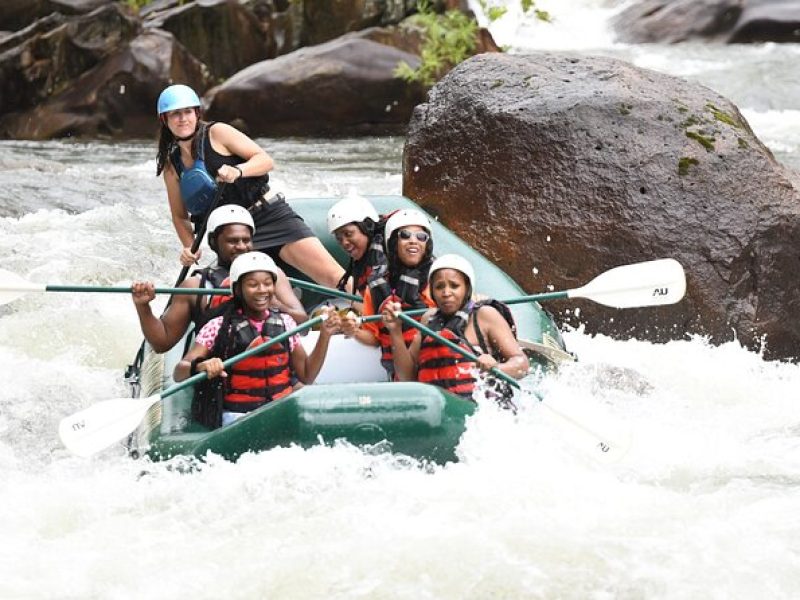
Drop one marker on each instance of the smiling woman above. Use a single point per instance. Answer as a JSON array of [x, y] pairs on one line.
[[409, 251], [193, 155], [247, 322]]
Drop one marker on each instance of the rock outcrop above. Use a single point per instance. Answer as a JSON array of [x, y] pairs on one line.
[[559, 167], [343, 86], [725, 21]]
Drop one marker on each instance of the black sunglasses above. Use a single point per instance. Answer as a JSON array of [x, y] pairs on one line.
[[421, 236]]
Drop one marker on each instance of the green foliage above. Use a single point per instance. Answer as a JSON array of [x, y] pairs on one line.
[[494, 12], [448, 40], [137, 4]]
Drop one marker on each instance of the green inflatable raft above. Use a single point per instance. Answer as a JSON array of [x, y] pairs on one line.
[[351, 399]]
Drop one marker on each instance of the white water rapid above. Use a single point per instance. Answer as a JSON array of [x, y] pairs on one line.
[[701, 501]]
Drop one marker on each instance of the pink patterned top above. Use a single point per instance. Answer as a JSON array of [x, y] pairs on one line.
[[208, 334]]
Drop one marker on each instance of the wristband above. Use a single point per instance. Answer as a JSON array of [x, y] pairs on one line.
[[240, 171], [193, 366]]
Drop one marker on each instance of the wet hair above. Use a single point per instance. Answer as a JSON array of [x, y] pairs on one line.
[[167, 142]]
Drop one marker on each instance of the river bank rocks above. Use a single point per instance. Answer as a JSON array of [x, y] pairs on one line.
[[95, 67], [311, 91], [559, 167], [725, 21]]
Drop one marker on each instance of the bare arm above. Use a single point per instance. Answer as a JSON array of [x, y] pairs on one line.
[[228, 140], [285, 300], [405, 360], [500, 337], [213, 366], [308, 366], [162, 334]]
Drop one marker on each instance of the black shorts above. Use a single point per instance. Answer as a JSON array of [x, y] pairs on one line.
[[277, 225]]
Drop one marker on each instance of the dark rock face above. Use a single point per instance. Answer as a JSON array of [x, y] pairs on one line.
[[116, 98], [224, 35], [18, 14], [343, 86], [559, 167], [327, 19], [727, 21], [61, 53], [44, 58]]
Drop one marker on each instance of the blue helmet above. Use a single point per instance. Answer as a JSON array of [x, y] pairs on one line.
[[175, 97]]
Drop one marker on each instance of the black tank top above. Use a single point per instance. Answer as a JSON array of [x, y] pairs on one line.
[[245, 191]]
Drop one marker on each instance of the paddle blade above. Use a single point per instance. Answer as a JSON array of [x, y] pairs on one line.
[[102, 424], [601, 439], [12, 286], [651, 283]]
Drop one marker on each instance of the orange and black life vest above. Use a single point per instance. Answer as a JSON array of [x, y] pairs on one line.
[[369, 266], [258, 379], [446, 368], [252, 382], [385, 339], [439, 365]]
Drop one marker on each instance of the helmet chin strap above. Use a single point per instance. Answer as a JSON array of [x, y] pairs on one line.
[[188, 137]]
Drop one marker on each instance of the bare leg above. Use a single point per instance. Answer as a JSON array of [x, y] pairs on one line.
[[286, 300], [310, 256]]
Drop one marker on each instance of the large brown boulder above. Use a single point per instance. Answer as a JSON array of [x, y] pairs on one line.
[[43, 59], [18, 14], [344, 86], [224, 35], [559, 167], [116, 98], [327, 19], [727, 21]]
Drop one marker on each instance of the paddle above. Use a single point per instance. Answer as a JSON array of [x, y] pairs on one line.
[[602, 443], [650, 283], [201, 232], [12, 287], [98, 426]]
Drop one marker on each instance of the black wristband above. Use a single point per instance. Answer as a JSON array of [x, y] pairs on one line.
[[193, 366], [240, 171]]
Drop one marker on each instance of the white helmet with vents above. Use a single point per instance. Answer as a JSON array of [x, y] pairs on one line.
[[250, 262]]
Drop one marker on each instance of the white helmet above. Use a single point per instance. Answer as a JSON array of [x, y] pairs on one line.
[[455, 262], [407, 216], [352, 209], [227, 215], [250, 262]]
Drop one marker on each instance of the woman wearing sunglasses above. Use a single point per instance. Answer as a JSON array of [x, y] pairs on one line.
[[485, 329], [409, 253]]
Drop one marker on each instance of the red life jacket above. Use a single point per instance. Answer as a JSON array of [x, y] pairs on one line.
[[385, 339], [439, 365], [259, 379]]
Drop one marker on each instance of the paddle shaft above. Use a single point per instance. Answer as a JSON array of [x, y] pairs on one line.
[[193, 291], [602, 442], [517, 300], [239, 357], [198, 238]]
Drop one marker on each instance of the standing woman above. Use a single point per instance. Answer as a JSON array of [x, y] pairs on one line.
[[193, 153]]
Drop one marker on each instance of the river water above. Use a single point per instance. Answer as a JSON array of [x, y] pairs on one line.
[[702, 499]]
